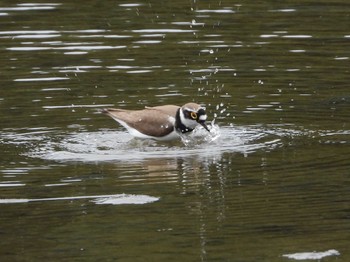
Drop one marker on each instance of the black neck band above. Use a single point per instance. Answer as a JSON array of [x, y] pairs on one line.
[[179, 126]]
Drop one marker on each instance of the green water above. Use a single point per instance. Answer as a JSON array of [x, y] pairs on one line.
[[275, 181]]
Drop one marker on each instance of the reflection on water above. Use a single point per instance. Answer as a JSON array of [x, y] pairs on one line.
[[218, 191], [269, 183]]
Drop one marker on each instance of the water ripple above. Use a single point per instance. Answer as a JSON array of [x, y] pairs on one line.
[[118, 199], [41, 79], [111, 145], [30, 7], [220, 11]]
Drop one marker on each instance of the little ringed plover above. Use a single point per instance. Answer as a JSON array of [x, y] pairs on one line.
[[160, 122]]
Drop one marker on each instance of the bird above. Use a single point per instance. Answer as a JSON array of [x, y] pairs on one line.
[[165, 122]]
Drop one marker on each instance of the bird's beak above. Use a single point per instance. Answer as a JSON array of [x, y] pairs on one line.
[[204, 125]]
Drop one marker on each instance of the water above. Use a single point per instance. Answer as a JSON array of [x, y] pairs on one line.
[[270, 183]]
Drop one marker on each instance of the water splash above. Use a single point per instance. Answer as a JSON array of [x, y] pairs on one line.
[[200, 135], [118, 145], [111, 145]]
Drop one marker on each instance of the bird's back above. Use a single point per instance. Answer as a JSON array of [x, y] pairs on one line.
[[152, 121], [166, 109]]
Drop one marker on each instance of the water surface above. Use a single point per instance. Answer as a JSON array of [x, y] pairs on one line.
[[269, 184]]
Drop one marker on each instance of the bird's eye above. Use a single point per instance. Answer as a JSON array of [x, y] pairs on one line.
[[194, 115]]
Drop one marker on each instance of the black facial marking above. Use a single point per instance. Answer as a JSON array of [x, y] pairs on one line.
[[180, 127], [187, 113], [201, 112]]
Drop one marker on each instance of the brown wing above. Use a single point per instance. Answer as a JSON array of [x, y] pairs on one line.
[[148, 121], [166, 109]]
